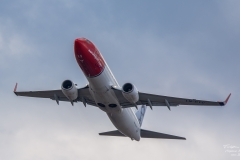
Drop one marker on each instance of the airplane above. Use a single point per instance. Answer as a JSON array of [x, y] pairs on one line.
[[121, 104]]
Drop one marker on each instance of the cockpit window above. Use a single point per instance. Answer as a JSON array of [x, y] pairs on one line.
[[88, 41]]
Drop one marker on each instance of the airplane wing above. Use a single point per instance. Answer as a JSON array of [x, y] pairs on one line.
[[57, 95], [159, 100]]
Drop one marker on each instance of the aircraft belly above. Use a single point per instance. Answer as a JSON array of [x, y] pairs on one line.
[[100, 89], [123, 119], [102, 82], [126, 124], [111, 104]]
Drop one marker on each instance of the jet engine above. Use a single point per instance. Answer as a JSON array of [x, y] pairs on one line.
[[69, 90], [130, 92]]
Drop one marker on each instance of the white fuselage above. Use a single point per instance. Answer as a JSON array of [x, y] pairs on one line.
[[124, 119], [101, 80]]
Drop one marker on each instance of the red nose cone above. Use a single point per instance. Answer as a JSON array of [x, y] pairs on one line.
[[79, 47], [88, 57]]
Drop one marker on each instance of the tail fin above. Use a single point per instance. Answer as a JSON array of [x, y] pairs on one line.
[[140, 114]]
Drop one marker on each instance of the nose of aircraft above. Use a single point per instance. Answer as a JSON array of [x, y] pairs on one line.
[[79, 46], [88, 57]]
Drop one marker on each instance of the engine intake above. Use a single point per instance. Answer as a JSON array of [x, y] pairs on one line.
[[67, 84], [69, 90], [130, 92], [128, 87]]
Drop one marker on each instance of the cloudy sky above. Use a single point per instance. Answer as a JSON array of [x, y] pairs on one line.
[[177, 48]]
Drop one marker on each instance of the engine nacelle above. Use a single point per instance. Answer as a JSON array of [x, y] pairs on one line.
[[69, 90], [130, 92]]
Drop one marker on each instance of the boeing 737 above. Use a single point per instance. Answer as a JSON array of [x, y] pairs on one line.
[[125, 106]]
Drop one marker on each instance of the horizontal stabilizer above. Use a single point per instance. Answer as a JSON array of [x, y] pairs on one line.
[[144, 134], [151, 134], [112, 133]]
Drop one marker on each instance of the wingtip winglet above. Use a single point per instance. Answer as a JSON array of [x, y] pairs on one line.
[[15, 88], [225, 102]]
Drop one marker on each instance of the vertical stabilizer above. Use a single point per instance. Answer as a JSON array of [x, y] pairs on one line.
[[140, 114]]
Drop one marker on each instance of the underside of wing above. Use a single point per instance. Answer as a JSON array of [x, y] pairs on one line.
[[83, 95], [174, 101], [159, 100]]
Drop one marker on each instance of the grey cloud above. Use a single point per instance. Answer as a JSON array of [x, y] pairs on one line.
[[170, 48]]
